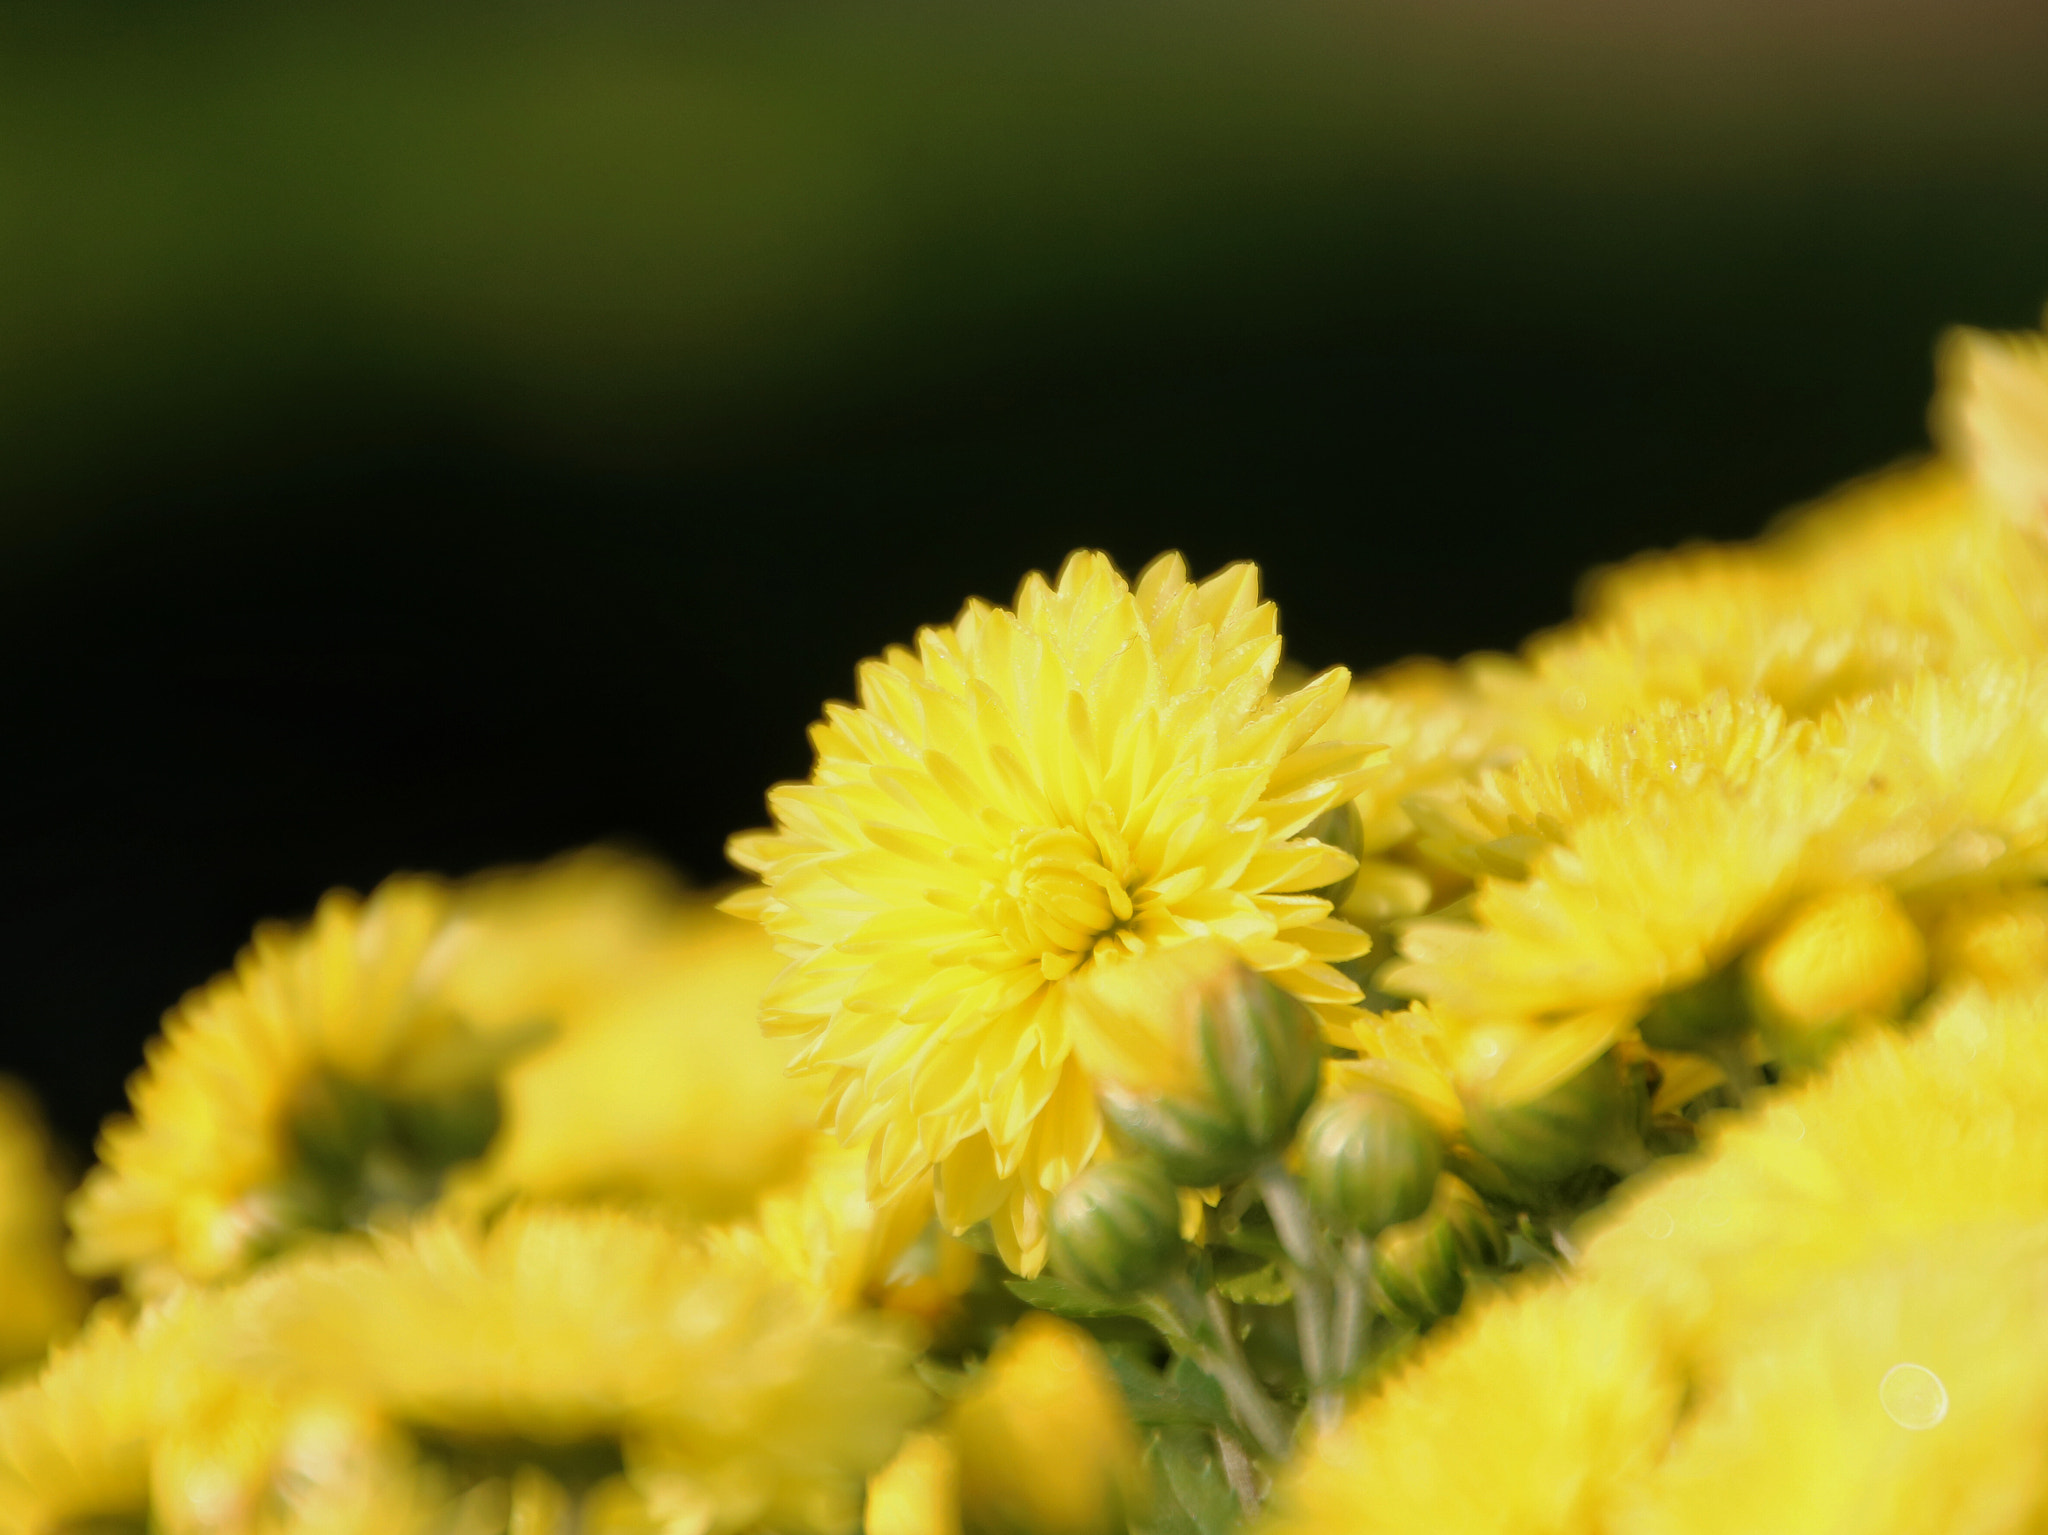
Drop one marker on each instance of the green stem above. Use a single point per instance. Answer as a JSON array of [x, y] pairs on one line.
[[1309, 1257], [1237, 1466], [1211, 1341]]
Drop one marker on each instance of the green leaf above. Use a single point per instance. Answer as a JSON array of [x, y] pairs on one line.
[[1190, 1487], [1265, 1285], [1185, 1397], [1063, 1298]]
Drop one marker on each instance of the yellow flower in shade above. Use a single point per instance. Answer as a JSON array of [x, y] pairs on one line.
[[1534, 1414], [1044, 1443], [665, 1088], [286, 1061], [1029, 794], [1903, 1395], [40, 1300], [584, 1027], [687, 1380], [1992, 414]]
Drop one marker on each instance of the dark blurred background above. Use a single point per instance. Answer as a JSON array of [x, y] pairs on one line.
[[432, 437]]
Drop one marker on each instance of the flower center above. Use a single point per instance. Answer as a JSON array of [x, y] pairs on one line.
[[1056, 894]]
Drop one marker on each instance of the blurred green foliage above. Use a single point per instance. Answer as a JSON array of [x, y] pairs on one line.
[[647, 228]]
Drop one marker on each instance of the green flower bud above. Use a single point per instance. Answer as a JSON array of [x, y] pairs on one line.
[[1370, 1161], [1416, 1269], [1698, 1017], [1116, 1228], [1339, 827], [1199, 1060], [1592, 1116], [1481, 1243]]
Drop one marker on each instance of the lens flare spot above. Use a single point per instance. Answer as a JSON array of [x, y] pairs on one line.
[[1913, 1396]]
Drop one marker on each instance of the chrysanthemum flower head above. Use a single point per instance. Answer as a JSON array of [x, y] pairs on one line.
[[690, 1380], [138, 1426], [1536, 1414], [550, 1017], [1030, 793], [292, 1053]]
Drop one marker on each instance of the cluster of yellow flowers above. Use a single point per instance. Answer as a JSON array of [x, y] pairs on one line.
[[1603, 1089]]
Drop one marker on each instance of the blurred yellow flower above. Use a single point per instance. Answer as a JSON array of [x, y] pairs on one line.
[[1899, 1396], [1030, 793], [665, 1088], [135, 1426], [1044, 1443], [1533, 1416], [1439, 726], [40, 1300], [265, 1106], [1905, 1137], [74, 1441], [691, 1381], [584, 1028], [917, 1493]]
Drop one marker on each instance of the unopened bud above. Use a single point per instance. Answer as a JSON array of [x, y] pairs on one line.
[[1416, 1269], [1370, 1161], [1480, 1241], [1199, 1060], [1844, 957], [1044, 1442], [1339, 827], [1116, 1228], [1593, 1115], [1700, 1016]]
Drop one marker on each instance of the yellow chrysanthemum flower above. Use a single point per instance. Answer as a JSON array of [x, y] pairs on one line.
[[269, 1072], [74, 1442], [1900, 1396], [1030, 793], [1439, 726], [584, 1027], [1660, 851], [1905, 1138], [135, 1427], [690, 1381], [1533, 1415], [664, 1090], [40, 1300], [1642, 897], [1498, 822]]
